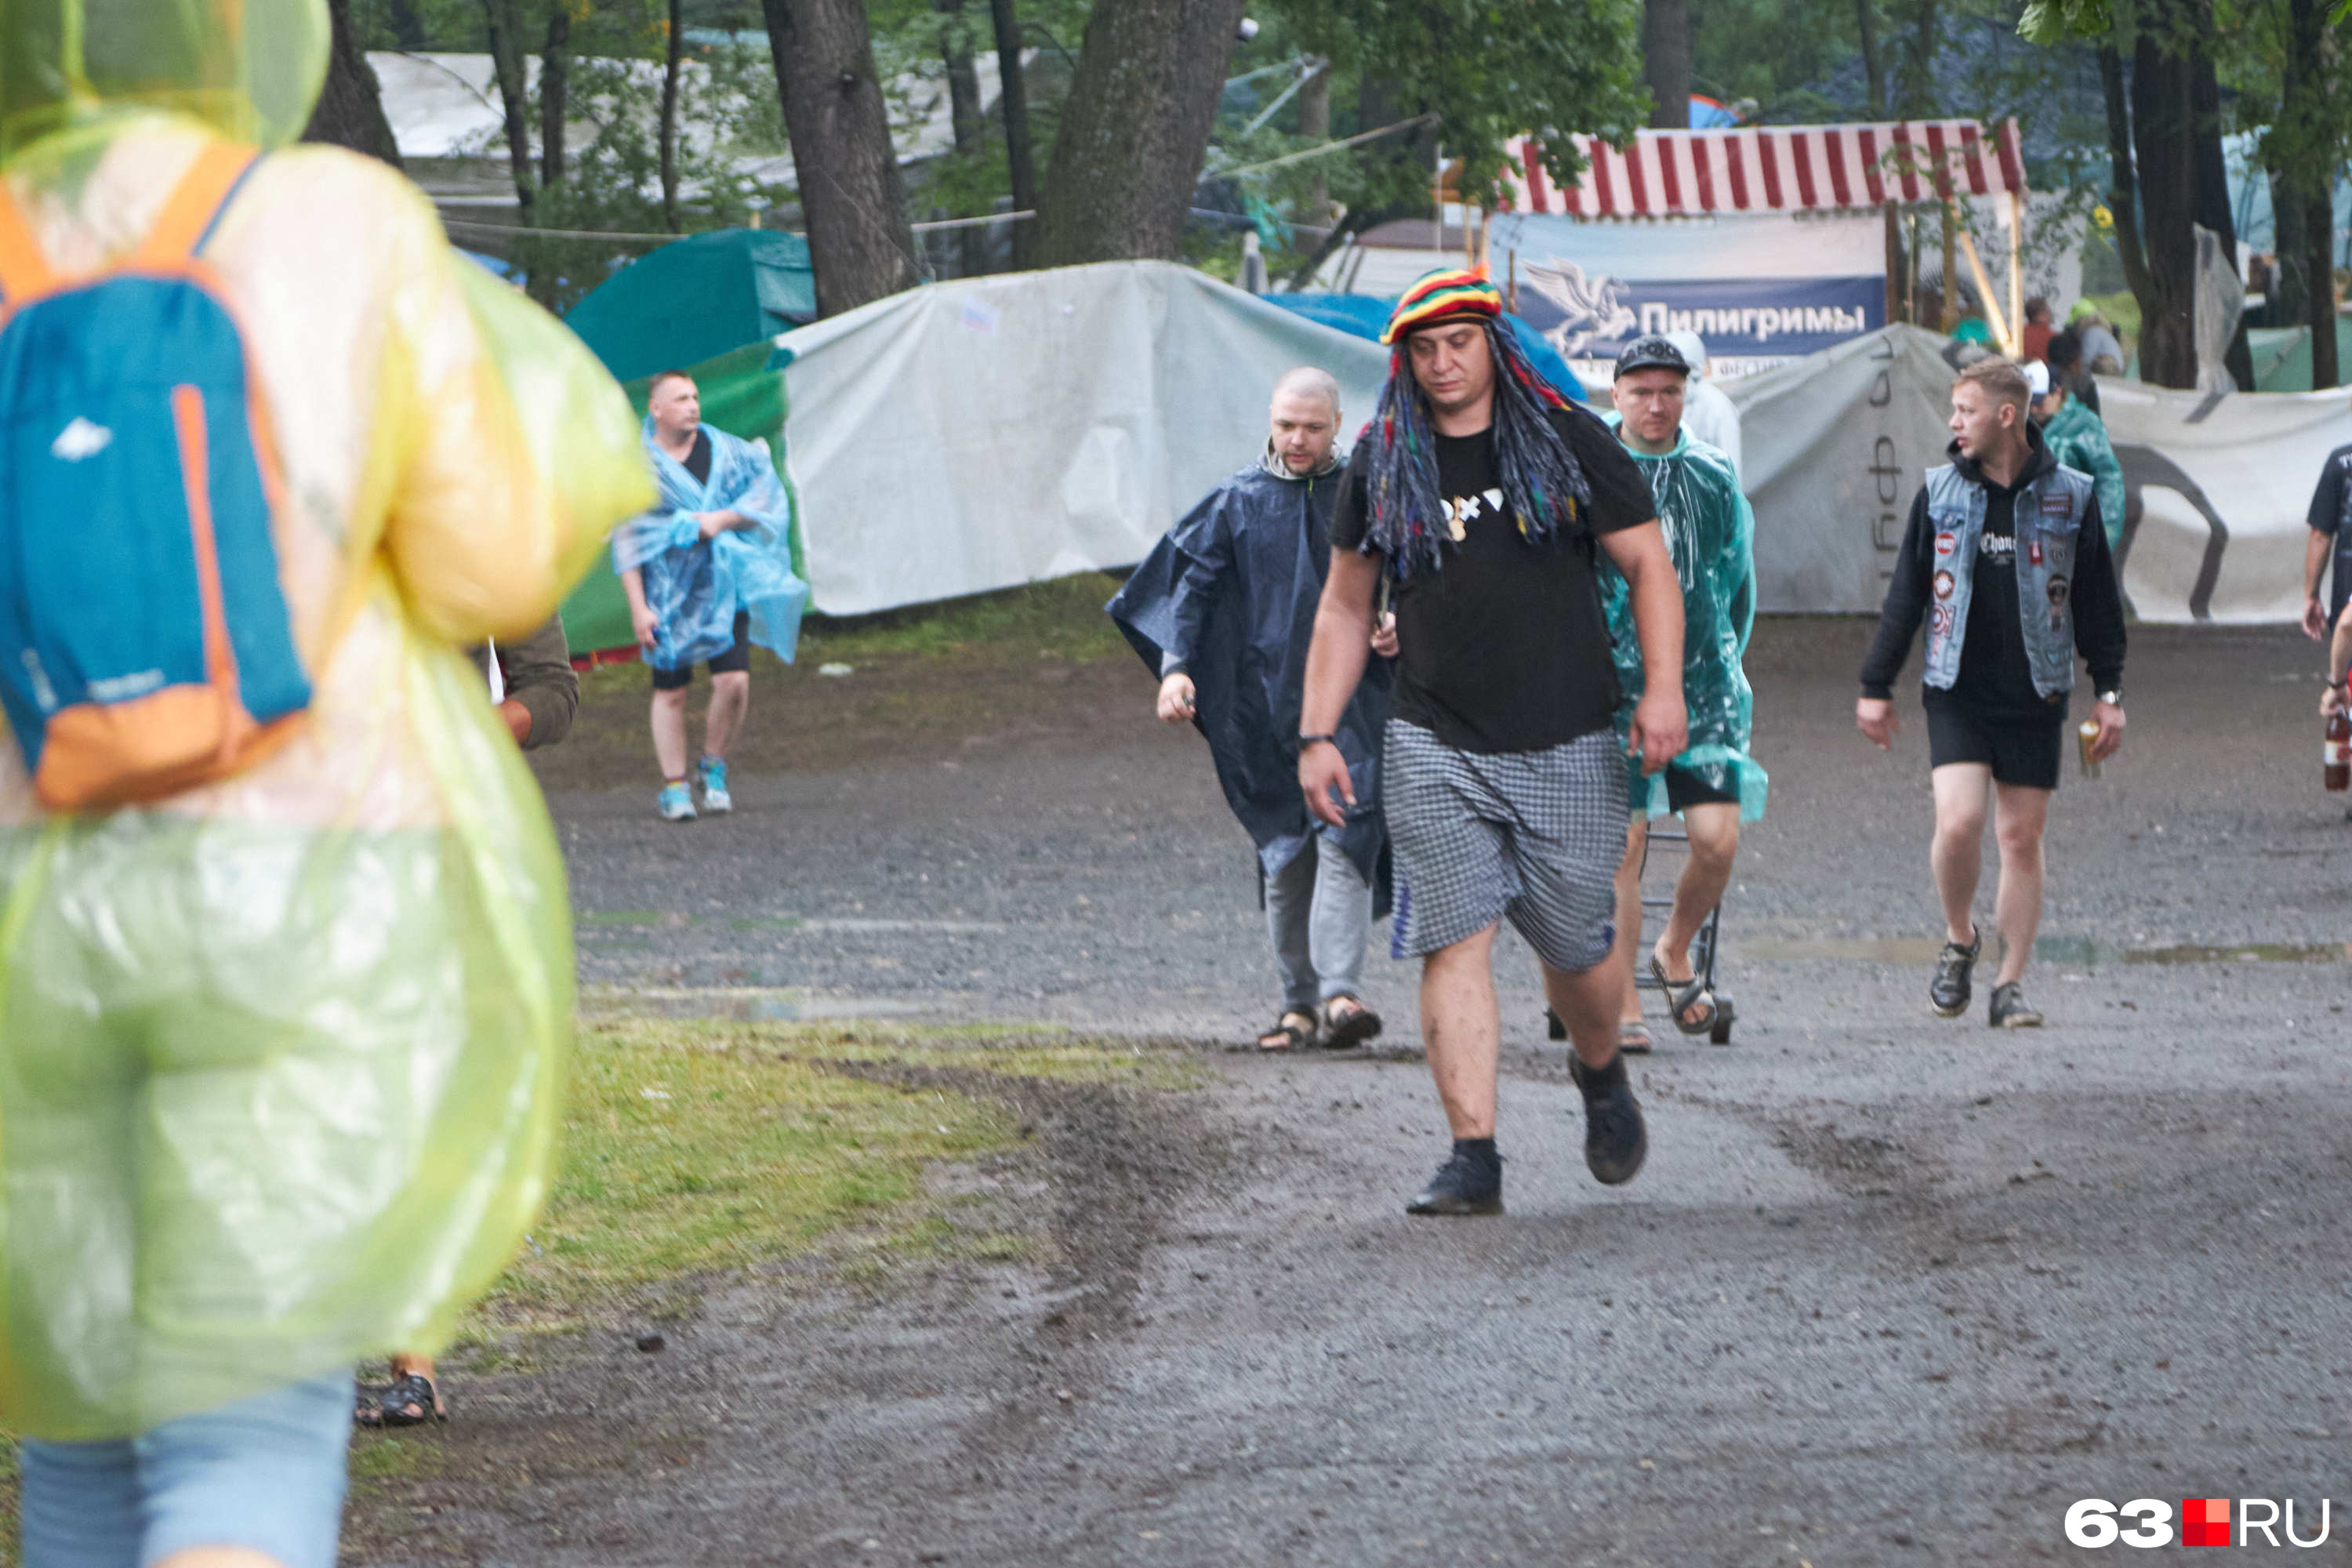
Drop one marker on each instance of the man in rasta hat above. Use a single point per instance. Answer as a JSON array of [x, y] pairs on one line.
[[1486, 497]]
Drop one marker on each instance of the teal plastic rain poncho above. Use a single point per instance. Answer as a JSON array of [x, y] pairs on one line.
[[2078, 439], [695, 585], [1711, 534], [280, 1055]]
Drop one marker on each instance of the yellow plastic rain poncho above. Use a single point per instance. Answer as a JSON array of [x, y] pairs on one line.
[[279, 1055]]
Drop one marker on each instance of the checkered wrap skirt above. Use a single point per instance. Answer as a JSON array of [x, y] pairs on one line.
[[1532, 836]]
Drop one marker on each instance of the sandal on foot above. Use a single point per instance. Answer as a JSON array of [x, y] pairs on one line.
[[1634, 1037], [1292, 1030], [1682, 995], [1342, 1030], [410, 1401]]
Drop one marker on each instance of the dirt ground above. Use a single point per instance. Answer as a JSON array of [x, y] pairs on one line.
[[1891, 1289]]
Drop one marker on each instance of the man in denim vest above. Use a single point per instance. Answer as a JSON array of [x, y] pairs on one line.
[[2007, 561]]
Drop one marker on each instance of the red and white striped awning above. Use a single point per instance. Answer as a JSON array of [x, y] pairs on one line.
[[1773, 169]]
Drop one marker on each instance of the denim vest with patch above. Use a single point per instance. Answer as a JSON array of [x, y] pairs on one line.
[[2048, 519]]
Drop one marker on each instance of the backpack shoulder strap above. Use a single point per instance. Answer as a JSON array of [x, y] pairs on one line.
[[24, 271], [194, 207]]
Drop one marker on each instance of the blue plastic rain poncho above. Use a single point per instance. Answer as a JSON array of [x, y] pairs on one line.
[[2078, 439], [1711, 534], [280, 1055], [694, 585], [1230, 591]]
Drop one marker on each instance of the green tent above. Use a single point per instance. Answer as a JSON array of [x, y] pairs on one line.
[[2283, 355], [694, 299], [743, 394]]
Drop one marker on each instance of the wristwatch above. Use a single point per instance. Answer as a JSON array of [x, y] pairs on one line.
[[1307, 740], [2114, 698]]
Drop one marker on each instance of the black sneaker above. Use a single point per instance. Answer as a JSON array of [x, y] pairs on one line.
[[1948, 992], [1615, 1141], [2010, 1010], [1464, 1184]]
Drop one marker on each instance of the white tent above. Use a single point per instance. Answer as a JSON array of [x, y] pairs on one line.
[[994, 431], [1837, 443]]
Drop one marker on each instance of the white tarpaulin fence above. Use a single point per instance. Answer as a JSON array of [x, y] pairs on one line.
[[1836, 445], [977, 435]]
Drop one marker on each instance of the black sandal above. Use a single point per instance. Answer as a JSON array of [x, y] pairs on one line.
[[1681, 995], [1344, 1030], [1288, 1035], [410, 1401]]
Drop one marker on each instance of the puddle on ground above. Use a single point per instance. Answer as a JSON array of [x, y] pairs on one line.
[[743, 1003], [2081, 951]]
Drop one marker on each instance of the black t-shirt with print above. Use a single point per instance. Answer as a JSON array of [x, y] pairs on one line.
[[1503, 648]]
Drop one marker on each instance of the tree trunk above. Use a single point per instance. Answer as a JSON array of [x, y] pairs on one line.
[[2164, 139], [1014, 99], [1315, 125], [1666, 61], [2319, 304], [350, 111], [1135, 129], [1873, 70], [2212, 197], [1916, 80], [407, 27], [2123, 197], [673, 58], [965, 118], [554, 79], [505, 19], [840, 133]]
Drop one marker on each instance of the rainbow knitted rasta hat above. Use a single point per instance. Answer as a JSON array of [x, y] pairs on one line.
[[1445, 295]]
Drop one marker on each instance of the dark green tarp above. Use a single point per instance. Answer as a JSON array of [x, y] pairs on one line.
[[696, 299], [743, 394]]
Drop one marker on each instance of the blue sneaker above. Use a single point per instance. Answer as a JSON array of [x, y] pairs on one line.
[[715, 798], [676, 803]]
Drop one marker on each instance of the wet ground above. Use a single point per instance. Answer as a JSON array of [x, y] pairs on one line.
[[1890, 1290]]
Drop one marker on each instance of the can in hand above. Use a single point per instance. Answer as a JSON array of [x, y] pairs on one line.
[[2086, 736]]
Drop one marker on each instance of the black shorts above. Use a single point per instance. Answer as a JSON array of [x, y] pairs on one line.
[[1683, 789], [736, 657], [2019, 751]]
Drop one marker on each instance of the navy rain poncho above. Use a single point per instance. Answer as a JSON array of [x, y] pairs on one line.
[[1231, 590]]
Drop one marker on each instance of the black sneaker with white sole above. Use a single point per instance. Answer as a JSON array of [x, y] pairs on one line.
[[1464, 1184], [2010, 1010], [1615, 1141], [1948, 992]]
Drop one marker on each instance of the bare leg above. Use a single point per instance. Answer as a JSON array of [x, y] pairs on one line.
[[1714, 830], [669, 732], [731, 700], [1958, 852], [1588, 1004], [217, 1557], [1462, 1030], [403, 1363], [2019, 813], [1629, 916]]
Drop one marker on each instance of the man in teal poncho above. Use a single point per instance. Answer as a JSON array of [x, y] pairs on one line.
[[1715, 784], [708, 574], [2077, 437]]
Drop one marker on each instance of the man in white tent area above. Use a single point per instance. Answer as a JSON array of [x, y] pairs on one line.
[[1222, 611], [1708, 412], [1712, 782]]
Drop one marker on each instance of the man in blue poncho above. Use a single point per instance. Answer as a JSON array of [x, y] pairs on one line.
[[708, 574], [1712, 782], [1222, 611]]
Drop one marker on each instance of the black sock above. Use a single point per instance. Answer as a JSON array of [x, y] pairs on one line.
[[1594, 1079], [1481, 1150]]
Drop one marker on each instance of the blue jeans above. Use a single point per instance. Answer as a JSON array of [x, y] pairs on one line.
[[265, 1473]]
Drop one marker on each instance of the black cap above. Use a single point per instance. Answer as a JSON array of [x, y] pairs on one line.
[[1651, 353]]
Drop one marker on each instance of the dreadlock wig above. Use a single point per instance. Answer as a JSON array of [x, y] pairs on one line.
[[1544, 486]]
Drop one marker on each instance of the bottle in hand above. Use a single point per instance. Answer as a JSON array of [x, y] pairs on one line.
[[2336, 752]]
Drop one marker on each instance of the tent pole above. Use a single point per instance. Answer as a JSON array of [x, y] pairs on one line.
[[2009, 344], [1951, 282], [2017, 266], [1511, 258]]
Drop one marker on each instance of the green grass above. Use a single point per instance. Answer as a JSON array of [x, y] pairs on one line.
[[1060, 618]]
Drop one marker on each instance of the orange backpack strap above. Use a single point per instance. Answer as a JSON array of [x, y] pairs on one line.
[[192, 209], [23, 270]]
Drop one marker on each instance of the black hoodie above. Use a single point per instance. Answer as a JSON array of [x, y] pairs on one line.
[[1994, 680]]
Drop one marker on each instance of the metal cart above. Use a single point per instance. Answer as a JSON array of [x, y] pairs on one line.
[[1702, 946]]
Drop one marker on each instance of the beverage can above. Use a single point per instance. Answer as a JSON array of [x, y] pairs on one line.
[[2086, 732]]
